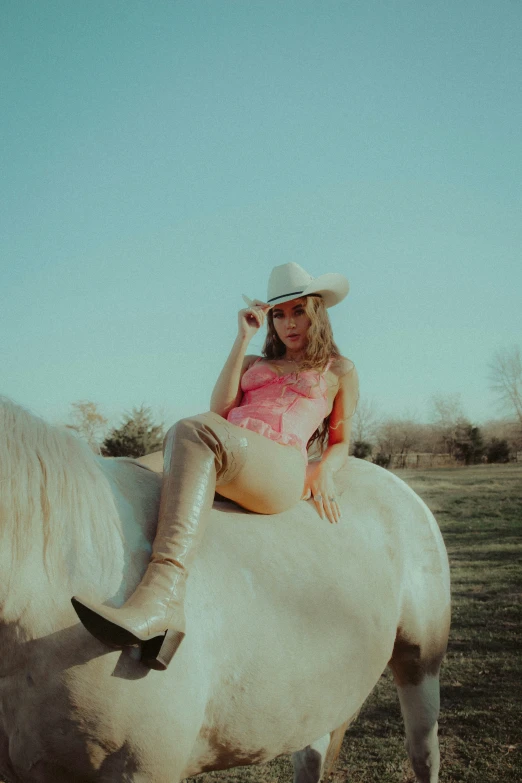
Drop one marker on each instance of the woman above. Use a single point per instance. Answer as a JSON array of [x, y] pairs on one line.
[[264, 413]]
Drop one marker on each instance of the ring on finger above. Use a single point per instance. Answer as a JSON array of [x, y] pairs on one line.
[[318, 496]]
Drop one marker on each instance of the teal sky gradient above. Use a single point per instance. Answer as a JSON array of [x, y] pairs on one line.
[[158, 158]]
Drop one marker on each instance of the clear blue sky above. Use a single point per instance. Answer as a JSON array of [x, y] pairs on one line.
[[158, 158]]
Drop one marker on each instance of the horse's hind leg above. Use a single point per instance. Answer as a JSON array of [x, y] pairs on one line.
[[315, 762], [336, 741], [309, 762], [417, 682], [420, 710]]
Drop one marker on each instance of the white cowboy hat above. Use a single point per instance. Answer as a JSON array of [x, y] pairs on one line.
[[290, 281]]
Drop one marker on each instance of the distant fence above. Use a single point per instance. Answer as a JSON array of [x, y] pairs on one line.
[[428, 460], [422, 460]]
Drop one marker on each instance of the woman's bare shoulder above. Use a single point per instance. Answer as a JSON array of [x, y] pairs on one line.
[[342, 366]]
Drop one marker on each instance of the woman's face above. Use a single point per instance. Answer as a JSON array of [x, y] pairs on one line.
[[291, 324]]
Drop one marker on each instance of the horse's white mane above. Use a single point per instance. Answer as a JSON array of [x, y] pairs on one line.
[[52, 490]]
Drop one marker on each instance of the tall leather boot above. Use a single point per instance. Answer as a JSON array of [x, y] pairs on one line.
[[200, 452]]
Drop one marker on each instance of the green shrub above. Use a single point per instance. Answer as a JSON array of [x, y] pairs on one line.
[[497, 450], [362, 449]]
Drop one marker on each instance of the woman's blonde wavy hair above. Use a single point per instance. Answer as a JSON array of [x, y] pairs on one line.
[[320, 349]]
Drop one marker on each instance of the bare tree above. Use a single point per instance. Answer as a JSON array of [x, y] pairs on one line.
[[397, 437], [89, 423], [448, 418], [506, 379], [366, 422]]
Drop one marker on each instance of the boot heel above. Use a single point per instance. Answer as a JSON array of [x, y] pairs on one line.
[[157, 653]]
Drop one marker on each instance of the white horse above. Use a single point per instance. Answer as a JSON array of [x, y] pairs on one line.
[[290, 622]]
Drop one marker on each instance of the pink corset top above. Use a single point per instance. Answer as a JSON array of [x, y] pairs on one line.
[[285, 408]]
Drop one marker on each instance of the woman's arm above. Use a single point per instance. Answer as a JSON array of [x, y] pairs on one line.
[[320, 475], [341, 418], [227, 391]]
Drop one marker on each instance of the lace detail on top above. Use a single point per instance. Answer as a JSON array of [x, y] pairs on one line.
[[287, 408]]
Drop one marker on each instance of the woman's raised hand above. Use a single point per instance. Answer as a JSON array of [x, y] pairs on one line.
[[251, 319]]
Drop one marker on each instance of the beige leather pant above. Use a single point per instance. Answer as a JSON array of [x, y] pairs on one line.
[[270, 481]]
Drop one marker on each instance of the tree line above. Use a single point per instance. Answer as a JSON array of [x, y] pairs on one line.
[[387, 441], [391, 442]]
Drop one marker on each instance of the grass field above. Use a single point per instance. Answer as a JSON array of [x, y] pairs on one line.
[[479, 510]]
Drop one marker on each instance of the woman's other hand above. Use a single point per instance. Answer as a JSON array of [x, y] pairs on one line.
[[251, 319], [320, 486]]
